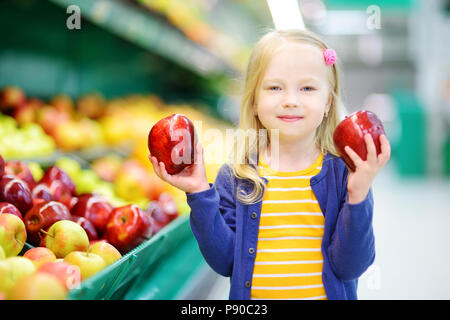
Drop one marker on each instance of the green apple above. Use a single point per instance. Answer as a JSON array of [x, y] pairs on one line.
[[12, 269], [12, 234], [105, 250], [40, 255], [2, 253], [89, 263], [37, 286], [65, 236]]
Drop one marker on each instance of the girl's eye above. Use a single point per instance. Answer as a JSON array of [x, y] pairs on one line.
[[274, 88], [307, 89]]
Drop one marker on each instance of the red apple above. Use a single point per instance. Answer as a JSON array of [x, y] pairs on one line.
[[350, 132], [42, 216], [94, 208], [68, 275], [6, 207], [157, 215], [16, 191], [172, 141], [127, 227], [60, 192], [11, 97], [168, 205], [87, 226], [20, 170], [55, 173], [2, 166], [42, 191]]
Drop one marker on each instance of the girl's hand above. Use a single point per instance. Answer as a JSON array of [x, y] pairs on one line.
[[191, 179], [361, 179]]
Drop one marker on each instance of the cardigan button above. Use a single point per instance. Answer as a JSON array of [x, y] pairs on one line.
[[251, 250], [253, 215], [248, 284]]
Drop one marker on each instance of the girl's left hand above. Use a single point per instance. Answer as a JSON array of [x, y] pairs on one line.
[[360, 180]]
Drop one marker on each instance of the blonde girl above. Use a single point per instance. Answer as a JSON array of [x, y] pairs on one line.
[[286, 219]]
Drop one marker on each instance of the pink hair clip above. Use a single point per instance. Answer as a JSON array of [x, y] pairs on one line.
[[330, 56]]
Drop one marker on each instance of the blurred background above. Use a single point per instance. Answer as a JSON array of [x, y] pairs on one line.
[[83, 82]]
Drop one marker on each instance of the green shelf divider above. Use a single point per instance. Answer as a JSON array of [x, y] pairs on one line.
[[139, 27]]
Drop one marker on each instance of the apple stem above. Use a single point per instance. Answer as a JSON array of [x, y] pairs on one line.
[[45, 232]]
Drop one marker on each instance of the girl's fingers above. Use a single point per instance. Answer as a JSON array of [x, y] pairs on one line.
[[353, 156], [385, 154], [371, 149]]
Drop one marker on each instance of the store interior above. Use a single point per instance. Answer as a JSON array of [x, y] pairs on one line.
[[97, 75]]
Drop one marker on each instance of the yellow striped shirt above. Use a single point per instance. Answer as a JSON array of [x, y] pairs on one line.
[[289, 261]]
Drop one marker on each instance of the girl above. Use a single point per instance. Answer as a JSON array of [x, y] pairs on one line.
[[298, 225]]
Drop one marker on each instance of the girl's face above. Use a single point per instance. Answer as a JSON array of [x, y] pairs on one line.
[[294, 94]]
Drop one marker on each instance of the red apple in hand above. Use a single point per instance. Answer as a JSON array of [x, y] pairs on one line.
[[19, 169], [94, 208], [6, 207], [42, 216], [350, 132], [127, 227], [172, 141], [16, 191]]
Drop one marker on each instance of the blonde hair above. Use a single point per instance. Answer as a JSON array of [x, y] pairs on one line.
[[244, 154]]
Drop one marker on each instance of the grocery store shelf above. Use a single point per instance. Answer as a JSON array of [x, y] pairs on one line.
[[149, 32]]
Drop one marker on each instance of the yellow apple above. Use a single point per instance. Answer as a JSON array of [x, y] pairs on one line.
[[2, 253], [105, 250], [38, 286], [65, 236], [12, 234], [89, 263], [40, 255], [12, 269]]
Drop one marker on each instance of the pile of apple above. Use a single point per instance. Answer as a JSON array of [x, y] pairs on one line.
[[74, 236], [72, 126]]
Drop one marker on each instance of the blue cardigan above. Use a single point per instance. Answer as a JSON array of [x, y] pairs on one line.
[[226, 229]]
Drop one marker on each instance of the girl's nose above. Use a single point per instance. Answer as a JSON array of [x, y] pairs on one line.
[[291, 101]]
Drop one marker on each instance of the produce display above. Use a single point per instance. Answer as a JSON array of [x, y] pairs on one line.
[[73, 236], [62, 223], [191, 17]]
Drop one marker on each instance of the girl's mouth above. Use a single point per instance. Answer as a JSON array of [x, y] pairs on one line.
[[290, 118]]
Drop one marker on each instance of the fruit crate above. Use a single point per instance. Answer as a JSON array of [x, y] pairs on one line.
[[138, 273], [163, 267]]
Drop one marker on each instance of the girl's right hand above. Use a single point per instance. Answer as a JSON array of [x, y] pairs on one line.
[[191, 179]]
